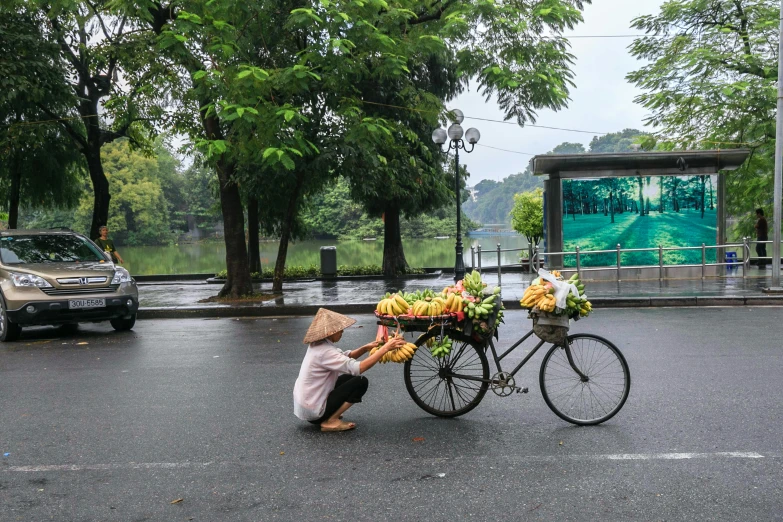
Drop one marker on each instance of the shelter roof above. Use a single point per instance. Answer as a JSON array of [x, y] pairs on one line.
[[658, 163]]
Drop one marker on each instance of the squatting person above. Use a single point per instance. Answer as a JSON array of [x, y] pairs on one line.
[[329, 380]]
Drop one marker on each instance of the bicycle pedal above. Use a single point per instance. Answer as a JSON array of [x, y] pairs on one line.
[[522, 390]]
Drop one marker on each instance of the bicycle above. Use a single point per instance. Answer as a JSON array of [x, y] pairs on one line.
[[585, 381]]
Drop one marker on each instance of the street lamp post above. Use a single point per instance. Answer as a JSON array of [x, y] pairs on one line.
[[454, 137]]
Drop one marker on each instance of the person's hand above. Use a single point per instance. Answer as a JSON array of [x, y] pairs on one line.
[[369, 346], [393, 344]]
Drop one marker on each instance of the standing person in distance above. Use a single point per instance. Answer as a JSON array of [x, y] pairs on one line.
[[108, 245], [761, 235]]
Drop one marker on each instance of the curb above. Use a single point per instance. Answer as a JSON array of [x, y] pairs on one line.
[[201, 312]]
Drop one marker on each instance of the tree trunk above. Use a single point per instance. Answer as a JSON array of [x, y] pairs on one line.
[[611, 204], [238, 282], [100, 190], [285, 234], [13, 199], [253, 249], [641, 198], [703, 190], [394, 262]]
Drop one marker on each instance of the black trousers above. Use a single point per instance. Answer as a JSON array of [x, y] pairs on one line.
[[348, 388], [761, 251]]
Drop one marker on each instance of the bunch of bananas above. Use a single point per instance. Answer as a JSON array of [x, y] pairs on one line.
[[454, 303], [392, 305], [429, 307], [540, 294], [580, 304], [483, 309], [473, 284], [440, 349], [535, 294], [400, 355]]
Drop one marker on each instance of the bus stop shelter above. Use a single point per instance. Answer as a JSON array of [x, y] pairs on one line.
[[559, 167]]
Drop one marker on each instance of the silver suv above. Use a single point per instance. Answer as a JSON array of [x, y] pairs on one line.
[[60, 278]]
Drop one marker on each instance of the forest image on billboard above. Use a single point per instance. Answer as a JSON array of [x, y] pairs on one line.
[[639, 213]]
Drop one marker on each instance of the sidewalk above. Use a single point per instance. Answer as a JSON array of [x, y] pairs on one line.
[[181, 298]]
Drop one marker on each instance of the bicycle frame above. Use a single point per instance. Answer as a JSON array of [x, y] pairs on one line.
[[497, 358]]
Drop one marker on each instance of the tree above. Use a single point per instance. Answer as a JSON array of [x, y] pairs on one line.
[[38, 165], [527, 217], [568, 148], [711, 83], [108, 74], [255, 71], [618, 142], [139, 213]]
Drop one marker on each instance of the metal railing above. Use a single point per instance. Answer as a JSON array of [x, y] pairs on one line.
[[538, 258]]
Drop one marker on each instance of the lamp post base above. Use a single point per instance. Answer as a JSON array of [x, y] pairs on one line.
[[459, 265]]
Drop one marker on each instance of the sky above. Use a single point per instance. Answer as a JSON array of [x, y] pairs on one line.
[[602, 100]]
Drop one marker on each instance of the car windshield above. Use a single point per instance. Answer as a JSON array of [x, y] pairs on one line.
[[55, 248]]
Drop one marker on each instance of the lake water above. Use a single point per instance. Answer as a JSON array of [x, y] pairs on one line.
[[204, 258]]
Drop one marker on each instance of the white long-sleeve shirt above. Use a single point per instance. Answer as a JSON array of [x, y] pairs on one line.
[[321, 366]]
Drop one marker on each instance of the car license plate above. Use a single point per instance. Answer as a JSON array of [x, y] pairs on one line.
[[86, 303]]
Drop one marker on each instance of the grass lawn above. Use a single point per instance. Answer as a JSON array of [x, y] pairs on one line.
[[596, 232]]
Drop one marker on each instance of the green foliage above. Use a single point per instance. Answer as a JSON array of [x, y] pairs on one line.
[[527, 216], [568, 148], [618, 142], [39, 167], [711, 82], [333, 214], [495, 200], [139, 212]]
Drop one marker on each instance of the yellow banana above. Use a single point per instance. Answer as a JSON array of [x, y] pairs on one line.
[[403, 304]]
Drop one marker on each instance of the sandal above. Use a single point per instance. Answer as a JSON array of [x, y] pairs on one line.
[[344, 426]]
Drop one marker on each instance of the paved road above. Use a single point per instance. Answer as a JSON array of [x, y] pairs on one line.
[[200, 410]]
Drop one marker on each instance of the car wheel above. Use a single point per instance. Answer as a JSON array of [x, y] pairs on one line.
[[8, 331], [122, 324]]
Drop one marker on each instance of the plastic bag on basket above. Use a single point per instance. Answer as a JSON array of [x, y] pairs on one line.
[[562, 288]]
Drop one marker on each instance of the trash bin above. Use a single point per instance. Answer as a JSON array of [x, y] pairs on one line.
[[329, 261], [732, 261]]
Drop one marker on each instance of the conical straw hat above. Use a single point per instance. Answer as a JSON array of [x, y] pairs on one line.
[[326, 323]]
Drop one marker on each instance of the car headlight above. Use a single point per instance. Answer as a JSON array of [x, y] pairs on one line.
[[29, 280], [121, 276]]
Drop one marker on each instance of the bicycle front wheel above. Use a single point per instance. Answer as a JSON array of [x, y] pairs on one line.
[[452, 385], [595, 398]]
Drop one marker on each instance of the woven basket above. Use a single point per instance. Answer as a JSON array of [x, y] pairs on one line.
[[550, 327]]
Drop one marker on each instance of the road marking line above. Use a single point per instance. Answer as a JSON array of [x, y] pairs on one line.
[[540, 458], [680, 456], [108, 467]]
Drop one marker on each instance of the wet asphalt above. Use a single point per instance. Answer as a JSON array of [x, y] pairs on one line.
[[116, 426], [184, 294]]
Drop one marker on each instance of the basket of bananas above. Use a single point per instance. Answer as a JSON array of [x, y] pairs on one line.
[[552, 301], [414, 311]]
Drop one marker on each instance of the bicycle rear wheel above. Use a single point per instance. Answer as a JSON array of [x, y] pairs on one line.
[[448, 386], [591, 401]]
